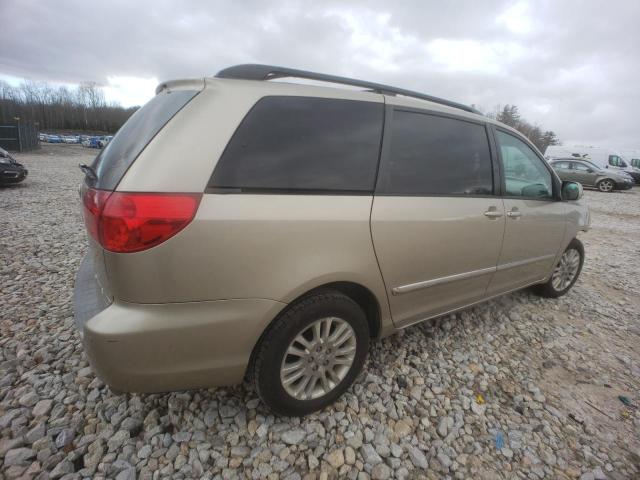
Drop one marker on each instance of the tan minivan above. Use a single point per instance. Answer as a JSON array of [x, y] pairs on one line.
[[244, 226]]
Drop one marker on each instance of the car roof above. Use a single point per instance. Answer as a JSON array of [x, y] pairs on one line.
[[309, 86], [572, 159]]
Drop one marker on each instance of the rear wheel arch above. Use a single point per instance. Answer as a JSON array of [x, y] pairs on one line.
[[361, 295], [364, 298]]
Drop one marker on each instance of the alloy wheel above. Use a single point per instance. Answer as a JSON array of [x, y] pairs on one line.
[[566, 270], [318, 358], [605, 185]]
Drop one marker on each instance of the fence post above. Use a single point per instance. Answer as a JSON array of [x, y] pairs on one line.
[[19, 136]]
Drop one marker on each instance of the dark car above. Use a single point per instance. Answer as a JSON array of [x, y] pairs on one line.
[[10, 170]]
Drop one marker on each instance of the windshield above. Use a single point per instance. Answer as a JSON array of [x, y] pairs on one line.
[[591, 165]]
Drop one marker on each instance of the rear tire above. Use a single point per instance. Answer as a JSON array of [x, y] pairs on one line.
[[323, 340], [565, 272], [606, 185]]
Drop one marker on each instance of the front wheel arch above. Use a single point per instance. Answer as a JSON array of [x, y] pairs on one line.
[[547, 289]]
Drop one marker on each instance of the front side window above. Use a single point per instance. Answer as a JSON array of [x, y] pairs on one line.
[[592, 166], [524, 173], [304, 144], [434, 155]]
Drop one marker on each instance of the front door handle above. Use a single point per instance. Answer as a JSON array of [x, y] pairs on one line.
[[514, 213], [493, 213]]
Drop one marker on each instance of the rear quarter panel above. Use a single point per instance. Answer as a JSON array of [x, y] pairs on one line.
[[273, 247]]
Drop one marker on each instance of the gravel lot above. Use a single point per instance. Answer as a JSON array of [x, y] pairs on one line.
[[519, 387]]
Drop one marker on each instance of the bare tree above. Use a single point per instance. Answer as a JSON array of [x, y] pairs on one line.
[[510, 115], [81, 108]]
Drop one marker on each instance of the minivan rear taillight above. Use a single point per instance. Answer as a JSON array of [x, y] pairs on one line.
[[130, 222]]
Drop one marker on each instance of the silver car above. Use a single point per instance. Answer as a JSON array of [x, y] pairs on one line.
[[589, 174]]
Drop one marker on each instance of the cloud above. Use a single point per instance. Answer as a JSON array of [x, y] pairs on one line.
[[571, 66], [130, 91], [517, 18], [468, 55]]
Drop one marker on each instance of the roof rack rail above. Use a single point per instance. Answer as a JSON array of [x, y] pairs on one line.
[[269, 72]]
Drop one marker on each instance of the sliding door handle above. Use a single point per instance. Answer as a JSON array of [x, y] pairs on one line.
[[492, 213], [514, 213]]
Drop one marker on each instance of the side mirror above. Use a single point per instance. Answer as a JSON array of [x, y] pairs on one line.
[[571, 191], [589, 170]]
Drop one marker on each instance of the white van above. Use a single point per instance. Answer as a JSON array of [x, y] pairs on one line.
[[604, 157], [633, 155]]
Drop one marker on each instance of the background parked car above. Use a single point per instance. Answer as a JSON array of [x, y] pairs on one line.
[[603, 157], [11, 171], [104, 141], [591, 175], [92, 142]]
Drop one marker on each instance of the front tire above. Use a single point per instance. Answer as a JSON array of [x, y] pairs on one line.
[[311, 354], [606, 185], [565, 273]]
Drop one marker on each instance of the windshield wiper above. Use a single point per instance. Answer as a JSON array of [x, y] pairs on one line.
[[89, 172]]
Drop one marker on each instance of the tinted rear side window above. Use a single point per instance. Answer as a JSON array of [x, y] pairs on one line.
[[434, 155], [302, 143], [135, 134]]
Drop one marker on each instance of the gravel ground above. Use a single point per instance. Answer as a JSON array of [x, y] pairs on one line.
[[519, 387]]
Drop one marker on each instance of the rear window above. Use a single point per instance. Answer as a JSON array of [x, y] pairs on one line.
[[135, 135], [291, 144]]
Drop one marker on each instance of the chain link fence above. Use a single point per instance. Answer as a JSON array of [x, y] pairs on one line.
[[19, 137]]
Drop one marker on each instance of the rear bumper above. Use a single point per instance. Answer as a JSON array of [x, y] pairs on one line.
[[175, 346], [89, 297]]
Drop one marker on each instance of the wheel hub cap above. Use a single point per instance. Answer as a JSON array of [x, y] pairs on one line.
[[566, 270], [318, 358]]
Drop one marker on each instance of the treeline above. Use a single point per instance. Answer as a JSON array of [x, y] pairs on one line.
[[510, 115], [83, 108]]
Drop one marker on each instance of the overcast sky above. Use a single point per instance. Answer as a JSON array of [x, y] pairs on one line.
[[571, 66]]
